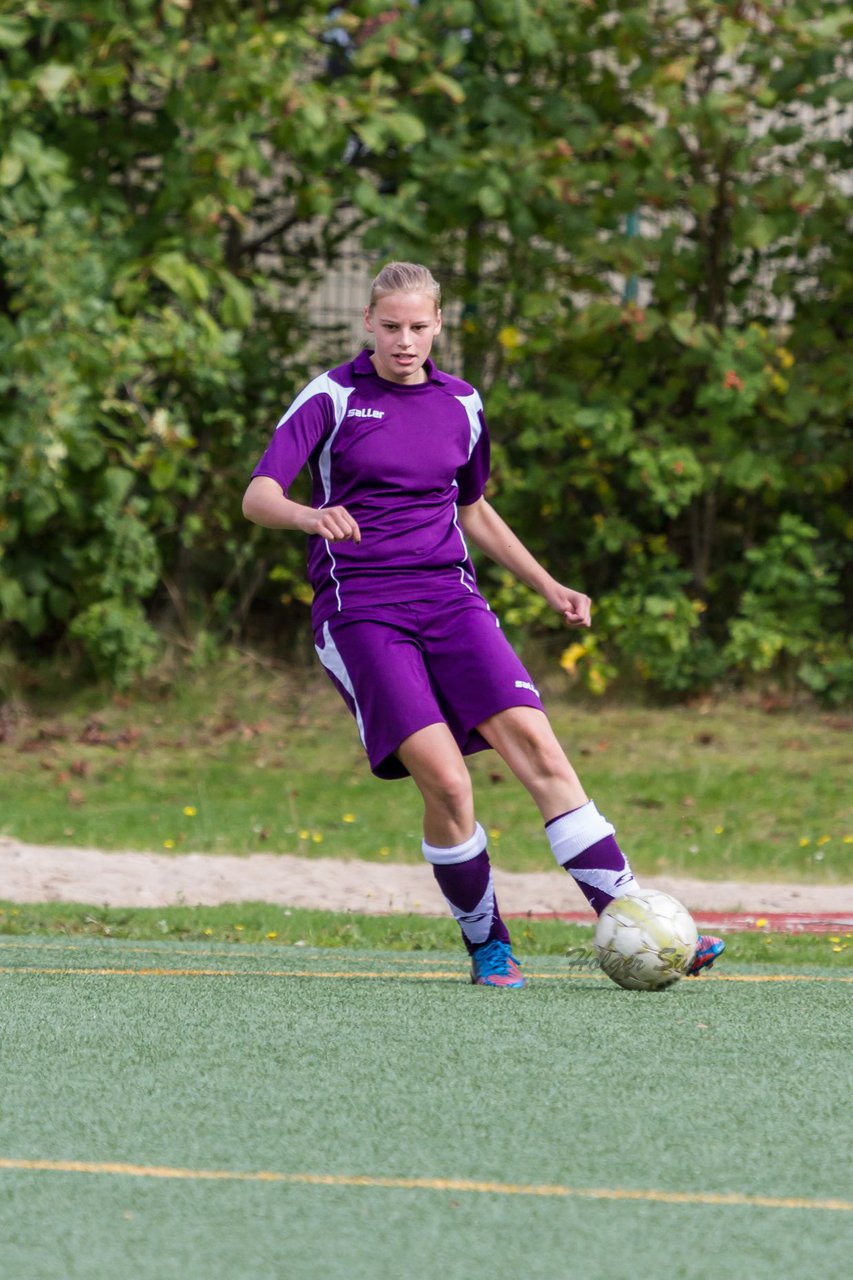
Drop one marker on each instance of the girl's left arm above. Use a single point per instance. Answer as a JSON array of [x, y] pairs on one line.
[[482, 525]]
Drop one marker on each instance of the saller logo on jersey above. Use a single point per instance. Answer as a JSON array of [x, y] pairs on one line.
[[366, 413]]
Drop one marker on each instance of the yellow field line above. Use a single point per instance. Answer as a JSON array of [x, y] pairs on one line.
[[220, 973], [434, 975], [775, 977], [734, 1199], [193, 949]]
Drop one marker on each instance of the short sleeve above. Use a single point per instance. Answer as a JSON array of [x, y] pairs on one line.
[[472, 476], [307, 422]]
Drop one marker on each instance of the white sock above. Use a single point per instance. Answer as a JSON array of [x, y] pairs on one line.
[[463, 852], [573, 832]]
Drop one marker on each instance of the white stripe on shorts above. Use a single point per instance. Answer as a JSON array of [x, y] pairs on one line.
[[330, 656]]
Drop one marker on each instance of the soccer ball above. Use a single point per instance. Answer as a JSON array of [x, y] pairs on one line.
[[645, 940]]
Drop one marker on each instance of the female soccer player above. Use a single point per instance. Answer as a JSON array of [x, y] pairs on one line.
[[398, 454]]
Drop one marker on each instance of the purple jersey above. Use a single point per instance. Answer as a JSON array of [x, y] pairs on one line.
[[401, 459]]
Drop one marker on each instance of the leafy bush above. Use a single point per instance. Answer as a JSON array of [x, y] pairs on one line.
[[117, 639], [638, 211], [779, 623], [649, 240]]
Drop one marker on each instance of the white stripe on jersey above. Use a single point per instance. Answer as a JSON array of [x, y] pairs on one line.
[[339, 396], [323, 385], [473, 406], [465, 553]]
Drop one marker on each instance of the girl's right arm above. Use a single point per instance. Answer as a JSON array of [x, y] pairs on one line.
[[265, 504]]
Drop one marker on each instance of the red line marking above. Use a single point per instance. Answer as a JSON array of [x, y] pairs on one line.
[[733, 921]]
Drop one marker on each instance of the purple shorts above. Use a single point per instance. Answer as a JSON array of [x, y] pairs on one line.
[[403, 666]]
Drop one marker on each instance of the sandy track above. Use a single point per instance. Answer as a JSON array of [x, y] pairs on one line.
[[36, 873]]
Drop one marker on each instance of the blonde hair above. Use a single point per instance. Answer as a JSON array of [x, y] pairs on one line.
[[404, 277]]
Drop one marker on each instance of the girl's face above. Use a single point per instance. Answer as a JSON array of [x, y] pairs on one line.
[[403, 326]]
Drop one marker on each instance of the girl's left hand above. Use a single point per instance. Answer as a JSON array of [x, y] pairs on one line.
[[575, 607]]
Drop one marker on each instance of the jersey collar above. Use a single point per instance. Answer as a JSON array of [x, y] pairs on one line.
[[362, 365]]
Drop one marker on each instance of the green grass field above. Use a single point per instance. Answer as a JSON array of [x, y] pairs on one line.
[[249, 1091], [184, 1110], [241, 760]]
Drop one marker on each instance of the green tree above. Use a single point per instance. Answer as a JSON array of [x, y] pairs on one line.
[[639, 209], [171, 177], [642, 208]]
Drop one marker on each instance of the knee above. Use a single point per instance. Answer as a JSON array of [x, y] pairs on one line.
[[449, 785]]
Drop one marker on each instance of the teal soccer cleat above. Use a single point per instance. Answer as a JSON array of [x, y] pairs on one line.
[[494, 965]]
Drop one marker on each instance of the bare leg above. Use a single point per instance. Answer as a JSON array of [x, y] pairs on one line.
[[440, 774], [455, 845], [581, 840], [523, 737]]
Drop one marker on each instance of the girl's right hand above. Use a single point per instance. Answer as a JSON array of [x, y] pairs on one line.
[[335, 524]]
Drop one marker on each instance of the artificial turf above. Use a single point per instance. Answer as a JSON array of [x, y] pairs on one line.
[[570, 1130]]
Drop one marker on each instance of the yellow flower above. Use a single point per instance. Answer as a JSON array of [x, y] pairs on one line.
[[834, 939], [494, 833], [239, 928], [571, 657], [207, 932], [303, 835], [348, 817], [718, 831], [510, 337], [273, 933], [761, 922], [190, 811], [824, 839], [783, 355], [805, 842], [384, 851], [847, 840], [317, 837], [168, 844]]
